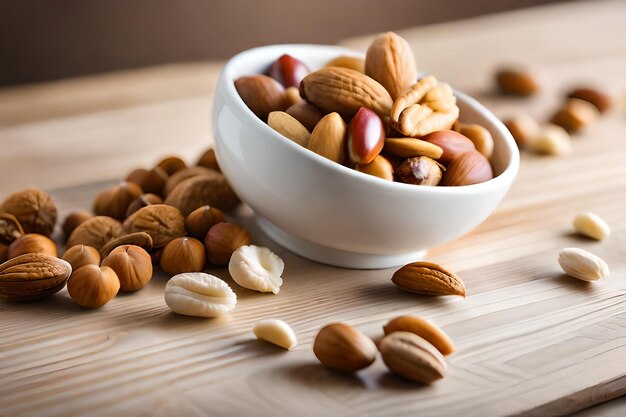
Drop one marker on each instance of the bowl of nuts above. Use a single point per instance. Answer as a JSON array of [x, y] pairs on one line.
[[356, 161]]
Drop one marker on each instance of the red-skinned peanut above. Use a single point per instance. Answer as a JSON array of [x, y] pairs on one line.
[[288, 71], [366, 136]]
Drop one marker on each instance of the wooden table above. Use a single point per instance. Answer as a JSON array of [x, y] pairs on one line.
[[530, 341]]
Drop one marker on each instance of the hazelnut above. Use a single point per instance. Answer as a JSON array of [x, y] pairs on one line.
[[172, 164], [208, 160], [151, 181], [470, 168], [222, 240], [184, 254], [114, 201], [92, 286], [34, 209], [143, 201], [132, 265], [81, 255], [73, 220], [202, 219], [32, 243], [180, 176], [419, 170]]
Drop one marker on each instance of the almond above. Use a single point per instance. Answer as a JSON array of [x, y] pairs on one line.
[[601, 100], [262, 94], [350, 62], [289, 127], [380, 167], [422, 328], [575, 115], [412, 357], [516, 82], [389, 60], [343, 348], [329, 138], [32, 276], [429, 279]]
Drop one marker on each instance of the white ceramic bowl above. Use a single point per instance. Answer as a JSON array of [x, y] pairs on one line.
[[332, 214]]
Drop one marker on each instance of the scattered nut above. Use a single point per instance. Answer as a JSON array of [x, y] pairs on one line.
[[31, 276], [551, 140], [202, 219], [96, 232], [305, 113], [276, 332], [10, 228], [114, 201], [366, 136], [516, 82], [288, 71], [32, 243], [469, 168], [429, 279], [132, 265], [81, 255], [199, 294], [73, 220], [256, 268], [412, 357], [92, 286], [222, 240], [480, 136], [420, 170], [162, 222], [328, 138], [261, 94], [141, 239], [209, 160], [212, 190], [151, 181], [343, 348], [289, 127], [141, 202], [182, 175], [380, 167], [575, 115], [183, 254], [601, 100], [579, 263], [172, 164], [523, 128], [453, 144], [350, 62], [591, 226], [389, 60], [422, 328], [34, 209]]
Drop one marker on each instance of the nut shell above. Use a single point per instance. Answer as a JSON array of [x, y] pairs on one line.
[[143, 201], [184, 254], [420, 170], [34, 209], [10, 228], [141, 239], [343, 348], [32, 243], [202, 219], [32, 276], [114, 202], [212, 190], [182, 175], [151, 181], [162, 222], [73, 220], [132, 265], [81, 255], [95, 232], [222, 240], [92, 286]]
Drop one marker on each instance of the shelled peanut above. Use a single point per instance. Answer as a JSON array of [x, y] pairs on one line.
[[374, 116]]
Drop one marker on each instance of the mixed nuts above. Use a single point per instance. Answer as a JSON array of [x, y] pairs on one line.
[[374, 116]]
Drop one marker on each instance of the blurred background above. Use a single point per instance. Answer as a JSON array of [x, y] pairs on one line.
[[44, 40]]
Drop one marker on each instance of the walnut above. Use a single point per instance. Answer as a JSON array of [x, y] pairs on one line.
[[203, 190], [34, 209], [163, 223], [95, 232]]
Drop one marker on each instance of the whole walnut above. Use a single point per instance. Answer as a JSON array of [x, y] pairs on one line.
[[34, 209], [95, 232]]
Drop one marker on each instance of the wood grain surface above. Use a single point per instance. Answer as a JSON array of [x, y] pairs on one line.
[[530, 341]]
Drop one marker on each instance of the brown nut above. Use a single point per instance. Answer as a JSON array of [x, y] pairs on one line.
[[345, 91], [171, 165], [366, 136], [523, 128], [469, 168], [95, 232], [380, 167], [202, 219], [575, 115], [516, 82], [480, 136], [390, 61], [212, 190], [428, 278], [114, 202], [289, 127], [453, 144], [288, 71], [305, 113], [350, 62], [422, 328], [184, 254], [151, 181], [209, 160], [4, 252], [92, 286], [262, 94], [73, 220], [132, 265], [32, 243], [10, 228], [292, 96], [601, 100], [143, 201], [222, 240], [32, 276], [34, 209], [410, 147], [162, 222], [343, 348], [180, 176], [329, 138], [81, 255], [412, 357], [141, 239], [419, 170]]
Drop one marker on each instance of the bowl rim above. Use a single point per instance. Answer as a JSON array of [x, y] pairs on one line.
[[227, 81]]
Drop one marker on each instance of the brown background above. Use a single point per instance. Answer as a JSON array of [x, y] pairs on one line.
[[51, 39]]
